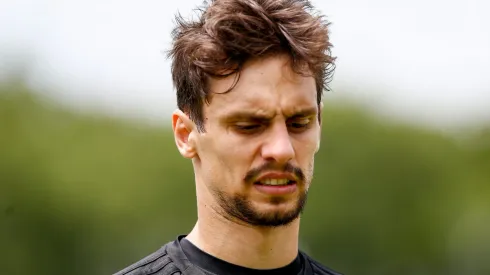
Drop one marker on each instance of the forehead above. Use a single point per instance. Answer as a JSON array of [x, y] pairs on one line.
[[264, 85]]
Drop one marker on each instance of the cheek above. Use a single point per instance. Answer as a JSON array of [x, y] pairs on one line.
[[225, 159], [306, 145]]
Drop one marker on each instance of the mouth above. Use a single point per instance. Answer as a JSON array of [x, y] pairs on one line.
[[275, 182], [276, 187]]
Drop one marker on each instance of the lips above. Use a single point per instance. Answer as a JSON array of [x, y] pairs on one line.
[[273, 189], [276, 179], [275, 182]]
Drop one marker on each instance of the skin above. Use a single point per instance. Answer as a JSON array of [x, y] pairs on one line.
[[269, 118]]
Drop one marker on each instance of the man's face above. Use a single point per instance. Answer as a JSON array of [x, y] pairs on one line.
[[255, 160]]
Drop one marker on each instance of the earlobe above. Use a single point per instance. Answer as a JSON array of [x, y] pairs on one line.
[[183, 128]]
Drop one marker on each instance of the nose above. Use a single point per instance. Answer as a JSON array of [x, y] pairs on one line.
[[278, 146]]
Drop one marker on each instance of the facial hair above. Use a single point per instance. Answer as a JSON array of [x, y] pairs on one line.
[[239, 207]]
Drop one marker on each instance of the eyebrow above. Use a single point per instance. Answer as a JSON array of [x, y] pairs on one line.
[[253, 116], [305, 112], [246, 115]]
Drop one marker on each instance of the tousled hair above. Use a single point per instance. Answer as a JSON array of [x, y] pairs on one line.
[[230, 32]]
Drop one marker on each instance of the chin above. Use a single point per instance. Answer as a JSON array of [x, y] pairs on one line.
[[275, 218], [274, 213], [270, 211]]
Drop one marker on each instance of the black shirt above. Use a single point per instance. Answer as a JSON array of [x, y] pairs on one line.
[[214, 266], [181, 257]]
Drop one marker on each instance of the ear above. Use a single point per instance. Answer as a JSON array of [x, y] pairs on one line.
[[184, 132], [320, 112]]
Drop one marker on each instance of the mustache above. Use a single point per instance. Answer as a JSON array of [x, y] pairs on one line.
[[271, 166]]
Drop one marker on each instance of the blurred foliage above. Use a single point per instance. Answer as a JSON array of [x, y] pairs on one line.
[[90, 194]]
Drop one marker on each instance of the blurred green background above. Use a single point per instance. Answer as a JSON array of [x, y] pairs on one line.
[[85, 193]]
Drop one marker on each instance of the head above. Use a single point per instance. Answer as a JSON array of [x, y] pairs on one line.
[[249, 77]]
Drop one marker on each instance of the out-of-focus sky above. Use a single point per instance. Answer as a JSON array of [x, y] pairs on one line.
[[423, 60]]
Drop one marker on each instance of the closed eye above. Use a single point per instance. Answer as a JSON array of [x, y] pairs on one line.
[[248, 128], [299, 124]]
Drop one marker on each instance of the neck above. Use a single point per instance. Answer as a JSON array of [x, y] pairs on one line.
[[244, 245]]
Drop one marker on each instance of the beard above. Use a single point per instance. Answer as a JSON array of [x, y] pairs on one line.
[[239, 207]]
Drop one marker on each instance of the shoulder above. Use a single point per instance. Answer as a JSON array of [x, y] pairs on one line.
[[159, 262], [318, 268]]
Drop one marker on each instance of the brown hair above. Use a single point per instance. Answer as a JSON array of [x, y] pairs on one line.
[[230, 32]]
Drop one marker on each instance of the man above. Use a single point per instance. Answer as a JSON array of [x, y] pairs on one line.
[[249, 76]]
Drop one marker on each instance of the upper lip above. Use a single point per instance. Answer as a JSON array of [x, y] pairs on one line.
[[276, 175]]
